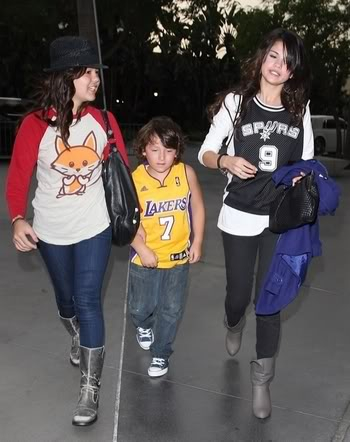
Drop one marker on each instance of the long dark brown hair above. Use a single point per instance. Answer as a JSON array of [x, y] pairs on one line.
[[295, 92], [56, 91]]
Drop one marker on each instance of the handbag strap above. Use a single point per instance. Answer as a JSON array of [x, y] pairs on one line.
[[109, 131], [233, 121]]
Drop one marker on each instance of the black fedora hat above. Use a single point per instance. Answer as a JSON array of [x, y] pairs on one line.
[[72, 51]]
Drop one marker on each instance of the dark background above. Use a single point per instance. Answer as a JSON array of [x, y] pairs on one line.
[[185, 70]]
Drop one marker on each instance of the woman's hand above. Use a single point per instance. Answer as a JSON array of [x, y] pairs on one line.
[[238, 166], [24, 237]]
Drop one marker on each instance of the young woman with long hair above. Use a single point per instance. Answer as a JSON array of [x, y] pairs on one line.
[[265, 121], [65, 138]]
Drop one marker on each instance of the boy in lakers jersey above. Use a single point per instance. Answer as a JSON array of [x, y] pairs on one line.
[[170, 238]]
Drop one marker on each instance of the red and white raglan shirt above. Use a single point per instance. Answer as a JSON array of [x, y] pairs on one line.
[[266, 139], [69, 203]]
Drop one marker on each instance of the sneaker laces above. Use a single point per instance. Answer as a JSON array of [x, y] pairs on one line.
[[145, 332], [160, 362]]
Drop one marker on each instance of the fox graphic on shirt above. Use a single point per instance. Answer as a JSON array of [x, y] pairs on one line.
[[76, 164]]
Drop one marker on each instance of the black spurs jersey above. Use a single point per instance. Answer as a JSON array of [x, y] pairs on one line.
[[268, 141]]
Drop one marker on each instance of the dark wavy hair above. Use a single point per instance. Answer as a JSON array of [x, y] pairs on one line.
[[169, 133], [295, 92], [56, 90]]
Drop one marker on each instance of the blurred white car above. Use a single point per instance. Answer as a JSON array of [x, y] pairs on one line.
[[325, 134]]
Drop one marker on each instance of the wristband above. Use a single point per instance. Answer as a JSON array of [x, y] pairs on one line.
[[219, 158], [16, 218], [222, 170]]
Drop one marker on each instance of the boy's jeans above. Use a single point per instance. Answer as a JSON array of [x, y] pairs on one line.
[[156, 299]]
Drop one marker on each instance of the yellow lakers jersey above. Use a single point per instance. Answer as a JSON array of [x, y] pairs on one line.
[[165, 214]]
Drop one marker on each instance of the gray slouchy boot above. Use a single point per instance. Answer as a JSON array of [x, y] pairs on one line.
[[261, 374], [234, 336], [72, 326], [91, 364]]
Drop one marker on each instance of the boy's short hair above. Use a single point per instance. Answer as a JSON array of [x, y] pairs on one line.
[[169, 133]]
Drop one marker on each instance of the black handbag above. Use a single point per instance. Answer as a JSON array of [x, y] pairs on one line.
[[121, 196], [295, 206]]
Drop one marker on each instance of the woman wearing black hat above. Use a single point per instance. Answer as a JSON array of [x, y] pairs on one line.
[[65, 139]]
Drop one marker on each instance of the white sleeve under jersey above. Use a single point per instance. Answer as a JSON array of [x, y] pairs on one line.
[[221, 128], [308, 146]]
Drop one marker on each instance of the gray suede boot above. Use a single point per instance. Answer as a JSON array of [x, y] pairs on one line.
[[72, 326], [261, 374], [91, 364], [234, 336]]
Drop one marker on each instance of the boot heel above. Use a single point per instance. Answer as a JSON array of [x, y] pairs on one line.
[[262, 372]]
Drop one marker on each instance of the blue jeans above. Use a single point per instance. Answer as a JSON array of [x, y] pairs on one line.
[[77, 273], [156, 299]]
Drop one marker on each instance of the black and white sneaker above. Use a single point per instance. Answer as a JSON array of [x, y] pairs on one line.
[[158, 367], [144, 337]]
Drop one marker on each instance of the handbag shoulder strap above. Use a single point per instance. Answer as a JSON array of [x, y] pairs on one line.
[[233, 121], [109, 131]]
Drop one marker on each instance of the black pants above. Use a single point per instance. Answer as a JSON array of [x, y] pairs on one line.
[[241, 253]]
